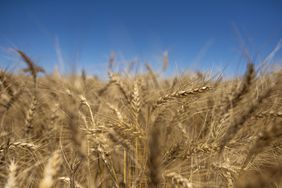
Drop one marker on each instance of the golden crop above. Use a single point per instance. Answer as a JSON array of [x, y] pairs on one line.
[[140, 130]]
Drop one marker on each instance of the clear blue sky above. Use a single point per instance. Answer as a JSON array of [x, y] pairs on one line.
[[197, 34]]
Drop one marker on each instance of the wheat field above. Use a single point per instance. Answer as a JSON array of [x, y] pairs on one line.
[[140, 130]]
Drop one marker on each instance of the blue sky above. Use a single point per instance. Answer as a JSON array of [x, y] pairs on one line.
[[198, 35]]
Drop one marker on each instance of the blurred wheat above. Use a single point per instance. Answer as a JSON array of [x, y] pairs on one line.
[[140, 130]]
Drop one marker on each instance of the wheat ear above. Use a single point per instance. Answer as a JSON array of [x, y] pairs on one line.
[[178, 180], [51, 170], [12, 178]]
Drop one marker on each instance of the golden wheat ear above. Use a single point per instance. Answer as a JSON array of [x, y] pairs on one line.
[[31, 66], [51, 170], [178, 180], [12, 178]]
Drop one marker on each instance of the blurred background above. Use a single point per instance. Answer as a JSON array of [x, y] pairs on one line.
[[194, 35]]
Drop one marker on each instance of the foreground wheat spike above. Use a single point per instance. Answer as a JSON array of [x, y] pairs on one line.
[[32, 68], [12, 178], [202, 148], [30, 115], [83, 101], [135, 103], [51, 170], [180, 94], [19, 145], [23, 145], [272, 114]]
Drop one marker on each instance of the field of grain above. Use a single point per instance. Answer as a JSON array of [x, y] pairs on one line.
[[140, 130]]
